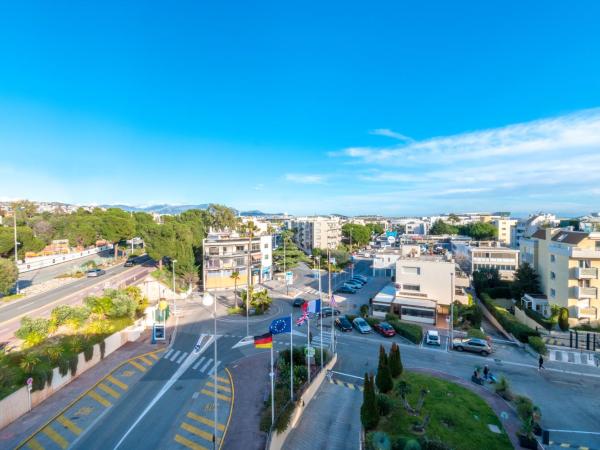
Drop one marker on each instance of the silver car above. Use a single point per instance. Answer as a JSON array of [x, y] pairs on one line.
[[361, 325], [474, 345], [95, 273]]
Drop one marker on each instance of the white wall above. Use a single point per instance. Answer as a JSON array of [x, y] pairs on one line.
[[433, 279], [46, 261]]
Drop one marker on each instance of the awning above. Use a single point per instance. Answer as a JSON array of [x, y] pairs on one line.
[[408, 301]]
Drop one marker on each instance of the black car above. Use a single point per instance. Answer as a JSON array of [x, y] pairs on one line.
[[130, 263], [346, 290], [326, 312], [298, 302], [343, 324], [359, 280]]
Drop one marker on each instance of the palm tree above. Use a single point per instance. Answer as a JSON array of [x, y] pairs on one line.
[[235, 276], [29, 361], [261, 300]]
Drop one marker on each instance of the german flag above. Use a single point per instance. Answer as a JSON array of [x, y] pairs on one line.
[[263, 341]]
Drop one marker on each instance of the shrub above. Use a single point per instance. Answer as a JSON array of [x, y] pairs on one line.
[[235, 310], [391, 317], [351, 317], [499, 292], [413, 333], [431, 444], [539, 318], [384, 404], [369, 413], [503, 388], [538, 345], [372, 320], [378, 440], [524, 407], [508, 321], [563, 319], [476, 333], [395, 361], [364, 310], [33, 331], [88, 350]]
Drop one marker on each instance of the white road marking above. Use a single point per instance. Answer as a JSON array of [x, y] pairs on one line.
[[206, 365], [195, 366], [212, 371], [182, 357], [166, 356], [175, 355]]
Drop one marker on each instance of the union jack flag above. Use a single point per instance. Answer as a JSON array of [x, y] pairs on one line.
[[303, 318]]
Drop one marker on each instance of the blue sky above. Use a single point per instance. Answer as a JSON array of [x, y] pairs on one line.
[[394, 108]]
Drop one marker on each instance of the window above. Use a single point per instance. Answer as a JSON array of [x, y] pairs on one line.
[[266, 246], [255, 247], [266, 256], [411, 270], [411, 287], [428, 313], [381, 308], [597, 245], [213, 250], [239, 248], [552, 258], [552, 293], [240, 261], [552, 276]]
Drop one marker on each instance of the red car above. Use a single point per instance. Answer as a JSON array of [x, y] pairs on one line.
[[384, 329]]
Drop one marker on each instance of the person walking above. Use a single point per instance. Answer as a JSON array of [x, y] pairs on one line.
[[541, 363], [486, 373]]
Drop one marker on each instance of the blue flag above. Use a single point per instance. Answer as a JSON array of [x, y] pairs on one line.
[[281, 325]]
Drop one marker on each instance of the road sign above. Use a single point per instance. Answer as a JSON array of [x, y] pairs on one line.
[[29, 385], [158, 332], [289, 277], [309, 351], [391, 239]]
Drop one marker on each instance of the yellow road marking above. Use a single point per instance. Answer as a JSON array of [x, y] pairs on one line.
[[61, 441], [221, 379], [197, 431], [99, 398], [205, 421], [116, 382], [189, 444], [230, 407], [35, 445], [69, 425], [145, 360], [154, 356], [110, 391], [219, 387], [137, 365], [219, 396]]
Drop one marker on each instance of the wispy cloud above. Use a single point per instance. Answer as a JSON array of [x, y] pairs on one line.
[[305, 178], [391, 134]]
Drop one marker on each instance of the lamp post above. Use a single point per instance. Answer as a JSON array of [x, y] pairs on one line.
[[208, 300], [16, 245], [174, 293]]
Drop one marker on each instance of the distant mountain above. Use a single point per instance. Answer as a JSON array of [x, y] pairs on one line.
[[159, 209], [256, 213]]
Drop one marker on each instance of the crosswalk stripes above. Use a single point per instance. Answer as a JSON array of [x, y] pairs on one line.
[[197, 363], [182, 357], [205, 366], [212, 370], [175, 355], [573, 357], [166, 355]]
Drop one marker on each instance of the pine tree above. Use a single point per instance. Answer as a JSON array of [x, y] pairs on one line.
[[395, 362], [383, 380], [383, 359], [369, 413]]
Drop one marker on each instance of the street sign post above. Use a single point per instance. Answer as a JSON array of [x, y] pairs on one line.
[[289, 278], [29, 388], [309, 351], [158, 332]]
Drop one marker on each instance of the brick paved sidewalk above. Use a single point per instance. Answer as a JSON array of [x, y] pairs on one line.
[[22, 428], [512, 424]]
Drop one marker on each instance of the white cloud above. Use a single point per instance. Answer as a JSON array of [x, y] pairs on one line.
[[305, 178], [392, 134]]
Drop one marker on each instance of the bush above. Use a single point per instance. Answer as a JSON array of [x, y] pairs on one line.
[[524, 407], [538, 345], [413, 333], [499, 292], [476, 333], [430, 444], [508, 321], [563, 319], [364, 310], [233, 310], [503, 388], [539, 318], [384, 403], [351, 317], [372, 320], [378, 440], [391, 317]]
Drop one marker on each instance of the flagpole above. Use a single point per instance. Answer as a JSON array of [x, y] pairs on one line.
[[272, 374], [321, 307], [329, 294], [307, 347], [291, 360]]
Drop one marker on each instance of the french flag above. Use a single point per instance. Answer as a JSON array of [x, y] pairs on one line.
[[314, 306]]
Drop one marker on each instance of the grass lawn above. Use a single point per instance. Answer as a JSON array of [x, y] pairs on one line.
[[458, 417]]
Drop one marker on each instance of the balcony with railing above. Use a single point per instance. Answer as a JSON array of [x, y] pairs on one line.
[[588, 253], [586, 273], [585, 292], [588, 312]]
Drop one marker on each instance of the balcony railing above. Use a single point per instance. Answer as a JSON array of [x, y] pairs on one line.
[[584, 253], [586, 292], [588, 312], [582, 273]]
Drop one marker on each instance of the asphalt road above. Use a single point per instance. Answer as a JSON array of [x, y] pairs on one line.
[[71, 293]]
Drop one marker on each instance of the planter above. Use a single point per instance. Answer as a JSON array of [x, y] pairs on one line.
[[527, 441]]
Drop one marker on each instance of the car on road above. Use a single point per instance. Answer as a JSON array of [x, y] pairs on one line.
[[95, 273], [474, 345], [384, 329], [130, 262], [346, 290], [298, 302], [361, 325], [343, 324], [327, 312], [353, 284], [432, 337]]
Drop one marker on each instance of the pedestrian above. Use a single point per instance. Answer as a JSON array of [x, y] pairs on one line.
[[486, 372], [541, 363]]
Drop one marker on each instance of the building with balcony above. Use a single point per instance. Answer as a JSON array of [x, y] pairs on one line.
[[505, 227], [568, 263], [384, 261], [486, 255], [316, 232], [228, 252]]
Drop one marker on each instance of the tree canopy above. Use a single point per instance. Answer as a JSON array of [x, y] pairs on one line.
[[359, 235]]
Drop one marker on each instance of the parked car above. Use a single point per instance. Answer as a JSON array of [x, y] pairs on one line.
[[343, 324], [361, 277], [95, 273], [298, 302], [432, 337], [384, 329], [358, 280], [346, 290], [361, 325], [353, 284], [474, 345], [327, 312], [130, 262]]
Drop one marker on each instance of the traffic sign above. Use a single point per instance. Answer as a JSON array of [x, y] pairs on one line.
[[391, 239], [158, 332], [29, 381], [309, 351], [289, 277]]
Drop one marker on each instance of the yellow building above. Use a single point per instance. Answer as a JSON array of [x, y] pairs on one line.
[[568, 263]]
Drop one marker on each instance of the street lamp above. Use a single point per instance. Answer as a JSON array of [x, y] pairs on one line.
[[208, 300], [16, 246], [174, 293]]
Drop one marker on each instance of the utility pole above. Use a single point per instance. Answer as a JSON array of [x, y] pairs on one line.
[[451, 308], [287, 288], [249, 276], [16, 246], [329, 298]]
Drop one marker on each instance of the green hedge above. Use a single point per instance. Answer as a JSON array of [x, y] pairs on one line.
[[508, 321], [539, 318], [413, 333], [538, 345], [499, 292]]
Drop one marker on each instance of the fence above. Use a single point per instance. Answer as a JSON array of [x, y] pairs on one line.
[[576, 339], [47, 261]]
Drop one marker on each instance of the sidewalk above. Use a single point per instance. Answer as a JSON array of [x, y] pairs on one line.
[[27, 424], [511, 424]]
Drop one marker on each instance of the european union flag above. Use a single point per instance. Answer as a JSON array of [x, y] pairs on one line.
[[281, 325]]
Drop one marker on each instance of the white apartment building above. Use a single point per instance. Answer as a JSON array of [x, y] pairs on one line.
[[505, 230], [423, 290], [384, 261], [316, 232], [486, 255], [526, 227], [228, 252]]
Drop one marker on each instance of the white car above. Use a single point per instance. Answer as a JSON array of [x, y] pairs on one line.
[[432, 337]]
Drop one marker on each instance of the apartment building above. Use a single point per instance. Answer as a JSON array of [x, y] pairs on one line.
[[526, 227], [384, 261], [568, 263], [316, 232], [486, 255], [505, 227], [228, 252], [423, 290]]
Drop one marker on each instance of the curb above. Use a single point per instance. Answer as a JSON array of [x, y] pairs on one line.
[[230, 407]]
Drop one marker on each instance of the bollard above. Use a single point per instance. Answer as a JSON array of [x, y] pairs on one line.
[[545, 437]]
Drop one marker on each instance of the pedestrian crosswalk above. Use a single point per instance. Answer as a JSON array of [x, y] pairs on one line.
[[202, 364], [574, 357], [327, 338]]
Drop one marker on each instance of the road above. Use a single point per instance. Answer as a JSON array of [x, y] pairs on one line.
[[41, 305], [48, 273]]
